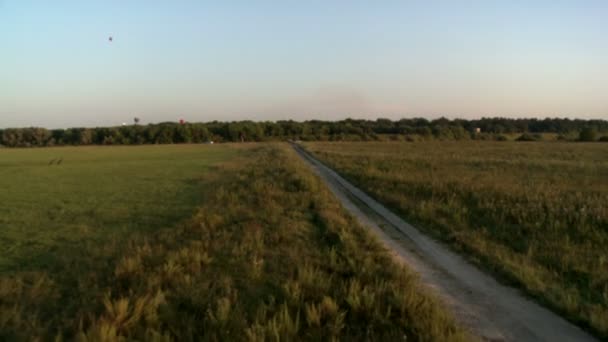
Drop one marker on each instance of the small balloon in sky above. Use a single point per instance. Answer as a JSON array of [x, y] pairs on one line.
[[110, 39]]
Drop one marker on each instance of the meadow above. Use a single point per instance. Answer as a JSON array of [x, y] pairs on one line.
[[58, 197], [535, 214], [193, 242]]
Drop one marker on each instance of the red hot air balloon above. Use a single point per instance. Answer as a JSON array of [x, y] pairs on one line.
[[181, 121]]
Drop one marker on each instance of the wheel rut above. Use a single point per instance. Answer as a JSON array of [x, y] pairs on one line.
[[490, 310]]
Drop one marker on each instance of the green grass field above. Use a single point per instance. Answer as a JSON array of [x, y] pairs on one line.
[[215, 243], [94, 193], [536, 214]]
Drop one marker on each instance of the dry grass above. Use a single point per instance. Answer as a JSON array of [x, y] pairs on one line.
[[534, 214], [269, 255]]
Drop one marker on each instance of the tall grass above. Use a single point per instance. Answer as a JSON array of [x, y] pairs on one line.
[[535, 214], [269, 255]]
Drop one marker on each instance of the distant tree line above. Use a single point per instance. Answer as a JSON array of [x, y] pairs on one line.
[[349, 129]]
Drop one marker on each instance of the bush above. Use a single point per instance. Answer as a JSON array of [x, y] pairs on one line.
[[529, 137], [478, 136], [588, 134], [502, 138], [604, 138]]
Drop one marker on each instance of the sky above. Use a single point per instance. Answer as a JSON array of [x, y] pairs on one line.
[[276, 60]]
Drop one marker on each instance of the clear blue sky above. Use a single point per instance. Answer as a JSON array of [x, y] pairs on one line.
[[270, 60]]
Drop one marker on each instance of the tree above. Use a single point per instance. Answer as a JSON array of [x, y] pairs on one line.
[[85, 136], [12, 137], [349, 129], [183, 134], [36, 136], [165, 134]]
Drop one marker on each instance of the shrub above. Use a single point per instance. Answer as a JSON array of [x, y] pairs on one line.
[[410, 138], [529, 137], [588, 134]]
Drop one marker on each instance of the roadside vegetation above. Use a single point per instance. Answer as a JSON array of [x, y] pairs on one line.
[[533, 213], [269, 254]]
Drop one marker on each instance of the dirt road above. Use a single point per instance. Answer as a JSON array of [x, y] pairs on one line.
[[492, 311]]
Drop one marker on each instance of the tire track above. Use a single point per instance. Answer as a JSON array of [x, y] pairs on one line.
[[492, 311]]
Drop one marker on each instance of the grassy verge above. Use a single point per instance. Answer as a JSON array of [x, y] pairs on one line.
[[269, 255], [534, 214]]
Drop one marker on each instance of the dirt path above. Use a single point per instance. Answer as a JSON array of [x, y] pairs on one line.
[[490, 310]]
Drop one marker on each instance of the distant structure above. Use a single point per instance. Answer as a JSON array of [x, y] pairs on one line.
[[477, 130], [181, 121]]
